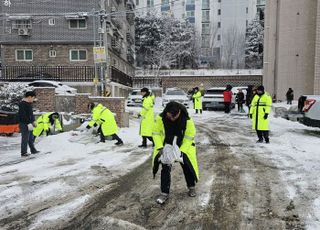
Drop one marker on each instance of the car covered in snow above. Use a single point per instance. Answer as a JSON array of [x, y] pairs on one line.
[[309, 105], [134, 98], [177, 95], [59, 87]]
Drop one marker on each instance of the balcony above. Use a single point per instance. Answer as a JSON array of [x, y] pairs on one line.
[[116, 45]]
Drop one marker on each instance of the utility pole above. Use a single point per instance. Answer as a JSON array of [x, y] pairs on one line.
[[105, 41]]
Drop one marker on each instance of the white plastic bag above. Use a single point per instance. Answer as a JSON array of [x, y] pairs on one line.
[[171, 153]]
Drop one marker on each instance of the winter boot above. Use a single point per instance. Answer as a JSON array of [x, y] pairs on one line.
[[35, 152], [260, 141], [119, 143], [25, 154], [162, 198], [192, 191], [142, 146]]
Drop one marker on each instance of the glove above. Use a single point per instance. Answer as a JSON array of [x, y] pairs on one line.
[[265, 116], [34, 124], [88, 127], [30, 127], [250, 116], [139, 115], [160, 154], [95, 125]]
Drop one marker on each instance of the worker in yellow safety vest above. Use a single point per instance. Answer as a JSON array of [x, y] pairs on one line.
[[47, 123]]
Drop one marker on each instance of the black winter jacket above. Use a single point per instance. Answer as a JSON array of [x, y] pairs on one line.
[[25, 114]]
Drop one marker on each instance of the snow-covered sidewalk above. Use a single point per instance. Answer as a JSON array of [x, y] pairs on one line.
[[68, 172]]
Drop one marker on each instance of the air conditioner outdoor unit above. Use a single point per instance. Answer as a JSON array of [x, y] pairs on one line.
[[23, 32]]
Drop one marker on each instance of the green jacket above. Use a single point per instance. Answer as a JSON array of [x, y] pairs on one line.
[[147, 116], [105, 118], [43, 125], [187, 147], [260, 106], [197, 100]]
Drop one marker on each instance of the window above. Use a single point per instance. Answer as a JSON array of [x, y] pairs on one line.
[[24, 55], [52, 21], [21, 24], [190, 14], [137, 2], [219, 0], [247, 10], [78, 55], [219, 24], [52, 53], [205, 4], [150, 3], [205, 41], [205, 28], [219, 11], [190, 2], [247, 23], [206, 15], [77, 24], [219, 37], [165, 2]]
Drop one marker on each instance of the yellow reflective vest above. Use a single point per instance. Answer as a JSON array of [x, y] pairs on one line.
[[260, 105], [147, 117], [105, 118], [197, 100], [188, 146], [43, 125]]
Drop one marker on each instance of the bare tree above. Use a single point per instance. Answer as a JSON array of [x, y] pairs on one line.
[[233, 48]]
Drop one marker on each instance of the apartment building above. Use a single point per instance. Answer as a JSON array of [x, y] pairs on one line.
[[212, 19], [44, 35], [292, 47]]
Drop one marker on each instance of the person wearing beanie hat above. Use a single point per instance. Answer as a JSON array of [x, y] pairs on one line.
[[147, 117], [259, 111]]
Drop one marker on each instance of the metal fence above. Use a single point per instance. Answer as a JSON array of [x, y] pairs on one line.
[[55, 73], [120, 77]]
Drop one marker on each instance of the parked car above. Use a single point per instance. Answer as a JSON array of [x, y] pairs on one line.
[[134, 98], [310, 106], [213, 99], [175, 94], [59, 87]]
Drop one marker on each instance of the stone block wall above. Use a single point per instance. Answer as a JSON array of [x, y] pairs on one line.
[[46, 101]]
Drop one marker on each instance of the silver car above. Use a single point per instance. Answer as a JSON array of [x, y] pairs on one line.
[[177, 95]]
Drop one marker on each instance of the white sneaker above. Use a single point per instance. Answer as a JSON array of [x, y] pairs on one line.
[[162, 198]]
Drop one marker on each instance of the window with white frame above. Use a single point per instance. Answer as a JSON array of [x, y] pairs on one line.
[[52, 53], [78, 55], [205, 4], [206, 15], [17, 24], [52, 21], [190, 13], [77, 24], [205, 28], [191, 2], [24, 55]]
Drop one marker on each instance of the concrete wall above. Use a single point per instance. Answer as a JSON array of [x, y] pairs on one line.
[[289, 58], [317, 55]]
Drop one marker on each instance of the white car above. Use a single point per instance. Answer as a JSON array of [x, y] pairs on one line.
[[213, 98], [59, 87], [175, 94], [134, 98], [311, 110]]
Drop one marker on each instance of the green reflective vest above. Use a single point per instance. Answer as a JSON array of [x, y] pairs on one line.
[[105, 118], [188, 145], [260, 105], [197, 100], [147, 117], [43, 125]]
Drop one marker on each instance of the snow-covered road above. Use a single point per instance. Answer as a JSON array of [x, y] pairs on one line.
[[243, 185]]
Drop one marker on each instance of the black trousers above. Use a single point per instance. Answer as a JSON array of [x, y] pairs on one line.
[[200, 110], [103, 138], [27, 138], [166, 177], [263, 134], [227, 107], [144, 140]]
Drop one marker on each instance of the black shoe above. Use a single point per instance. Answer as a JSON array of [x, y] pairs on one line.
[[119, 143], [192, 192], [35, 152], [267, 142], [260, 141], [25, 154], [142, 146]]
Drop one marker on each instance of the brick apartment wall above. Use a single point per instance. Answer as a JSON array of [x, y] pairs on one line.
[[46, 101], [206, 82], [115, 105]]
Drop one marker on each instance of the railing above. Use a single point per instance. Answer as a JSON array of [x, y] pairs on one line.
[[120, 77], [55, 73]]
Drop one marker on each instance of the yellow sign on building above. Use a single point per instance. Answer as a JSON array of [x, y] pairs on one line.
[[99, 54]]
